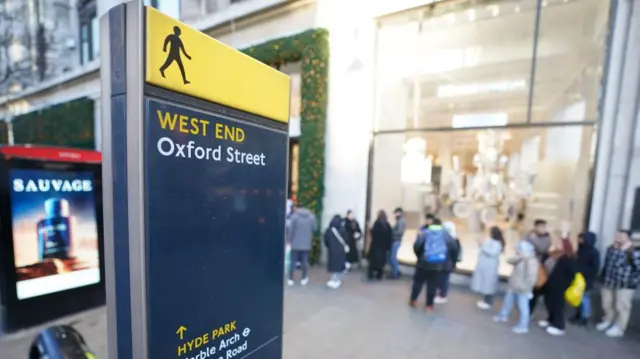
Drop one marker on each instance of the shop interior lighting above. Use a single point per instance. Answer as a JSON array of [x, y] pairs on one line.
[[471, 14], [480, 120], [448, 91]]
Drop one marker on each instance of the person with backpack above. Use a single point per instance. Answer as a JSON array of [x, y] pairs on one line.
[[620, 277], [485, 277], [434, 249]]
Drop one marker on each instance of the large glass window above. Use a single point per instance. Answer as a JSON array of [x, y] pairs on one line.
[[468, 64], [481, 178], [485, 116], [570, 56]]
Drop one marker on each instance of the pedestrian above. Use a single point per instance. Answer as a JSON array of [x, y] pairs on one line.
[[588, 264], [337, 249], [561, 265], [381, 236], [485, 277], [398, 232], [541, 240], [621, 277], [521, 283], [443, 288], [302, 225], [353, 235], [434, 249]]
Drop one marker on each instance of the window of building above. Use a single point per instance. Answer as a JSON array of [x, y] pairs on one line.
[[454, 65], [89, 32], [169, 7]]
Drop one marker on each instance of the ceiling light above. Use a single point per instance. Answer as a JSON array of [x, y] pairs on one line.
[[471, 14]]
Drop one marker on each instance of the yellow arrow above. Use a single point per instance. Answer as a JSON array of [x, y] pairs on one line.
[[181, 331]]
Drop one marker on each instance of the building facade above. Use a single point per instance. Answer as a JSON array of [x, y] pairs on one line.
[[488, 112]]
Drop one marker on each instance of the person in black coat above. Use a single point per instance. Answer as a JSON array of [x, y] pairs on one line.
[[353, 235], [381, 237], [337, 249], [588, 264], [562, 268]]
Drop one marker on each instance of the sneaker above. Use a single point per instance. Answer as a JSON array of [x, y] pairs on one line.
[[499, 319], [520, 330], [483, 305], [334, 284], [290, 282], [413, 304], [440, 300], [304, 281], [543, 323], [601, 327], [614, 332], [554, 331]]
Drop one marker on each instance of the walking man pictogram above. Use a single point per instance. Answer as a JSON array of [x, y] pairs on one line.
[[175, 47]]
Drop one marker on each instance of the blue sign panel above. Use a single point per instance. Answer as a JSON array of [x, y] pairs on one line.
[[215, 209]]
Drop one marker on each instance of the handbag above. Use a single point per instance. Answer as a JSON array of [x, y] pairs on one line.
[[573, 295], [542, 278]]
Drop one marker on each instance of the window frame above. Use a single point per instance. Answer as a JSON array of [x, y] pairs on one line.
[[87, 12]]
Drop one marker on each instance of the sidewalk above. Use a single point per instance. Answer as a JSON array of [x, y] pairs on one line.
[[372, 320]]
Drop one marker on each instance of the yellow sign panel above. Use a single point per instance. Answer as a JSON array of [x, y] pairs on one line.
[[185, 60]]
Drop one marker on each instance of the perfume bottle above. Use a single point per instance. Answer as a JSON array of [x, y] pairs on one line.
[[54, 232]]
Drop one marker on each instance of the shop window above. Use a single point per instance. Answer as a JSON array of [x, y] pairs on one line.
[[481, 178], [569, 61], [456, 65]]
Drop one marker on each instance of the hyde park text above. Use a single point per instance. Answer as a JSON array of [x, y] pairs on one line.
[[198, 127]]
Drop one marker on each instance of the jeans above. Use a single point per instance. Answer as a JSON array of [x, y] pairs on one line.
[[431, 278], [522, 301], [443, 288], [393, 258], [303, 258], [488, 298], [335, 277], [585, 306]]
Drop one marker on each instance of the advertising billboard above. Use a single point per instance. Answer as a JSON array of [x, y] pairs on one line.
[[51, 258], [55, 231]]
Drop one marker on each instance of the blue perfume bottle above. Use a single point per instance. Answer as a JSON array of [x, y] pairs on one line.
[[54, 232]]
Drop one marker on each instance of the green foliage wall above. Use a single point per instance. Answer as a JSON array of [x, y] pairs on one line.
[[311, 49], [69, 124]]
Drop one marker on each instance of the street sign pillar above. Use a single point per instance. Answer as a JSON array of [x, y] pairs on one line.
[[195, 146]]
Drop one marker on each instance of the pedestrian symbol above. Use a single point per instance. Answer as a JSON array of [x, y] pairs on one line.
[[175, 48]]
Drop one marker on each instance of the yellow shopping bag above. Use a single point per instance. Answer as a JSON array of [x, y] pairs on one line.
[[573, 295]]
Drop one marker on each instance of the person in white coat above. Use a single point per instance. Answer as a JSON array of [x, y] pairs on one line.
[[485, 277]]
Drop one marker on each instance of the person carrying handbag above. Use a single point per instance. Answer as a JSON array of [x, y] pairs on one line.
[[337, 247]]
